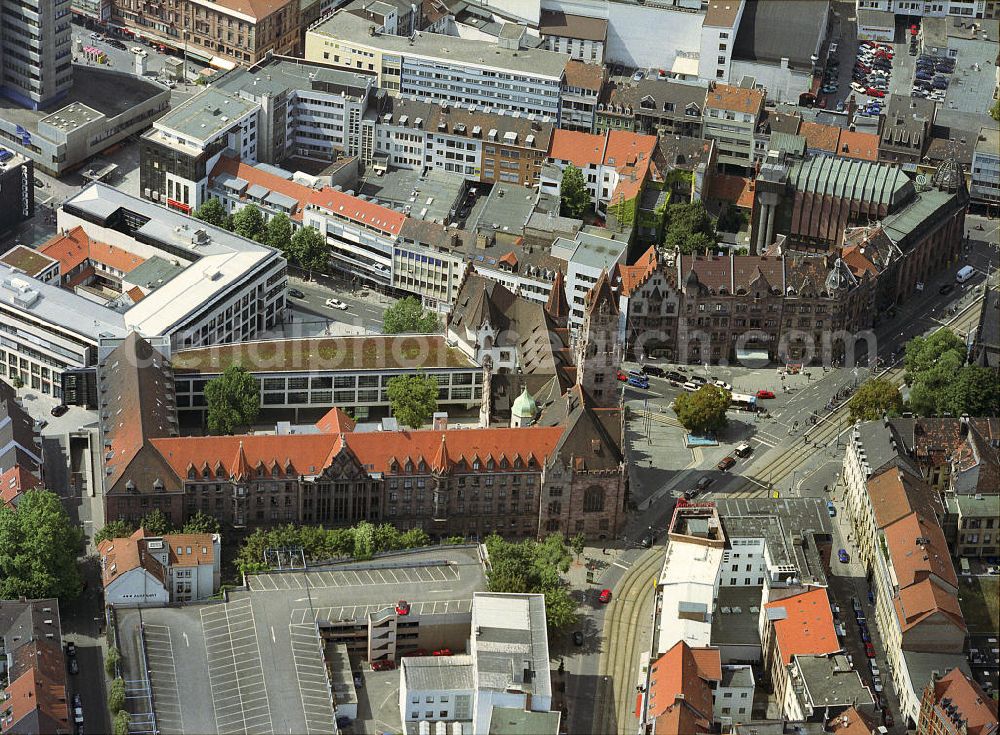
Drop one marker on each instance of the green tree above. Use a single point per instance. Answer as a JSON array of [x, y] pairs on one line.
[[573, 192], [310, 249], [577, 543], [413, 399], [731, 219], [414, 538], [121, 722], [874, 398], [364, 540], [233, 400], [975, 391], [943, 347], [704, 411], [114, 529], [560, 609], [995, 111], [689, 228], [248, 222], [454, 540], [213, 213], [202, 523], [407, 316], [531, 566], [278, 234], [116, 694], [38, 549], [111, 660], [155, 523]]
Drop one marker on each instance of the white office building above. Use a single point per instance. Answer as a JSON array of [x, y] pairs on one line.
[[986, 167], [586, 258]]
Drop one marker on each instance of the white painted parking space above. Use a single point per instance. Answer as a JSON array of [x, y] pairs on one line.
[[234, 669], [283, 582], [310, 672], [358, 612], [163, 677]]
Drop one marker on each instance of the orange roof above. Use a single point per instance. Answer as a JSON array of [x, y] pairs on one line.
[[973, 705], [121, 555], [135, 293], [807, 628], [41, 687], [308, 454], [819, 136], [914, 562], [76, 247], [919, 601], [734, 99], [580, 149], [633, 276], [854, 144], [855, 259], [335, 421], [15, 481], [626, 148], [737, 190], [896, 493], [369, 214], [686, 671], [680, 719], [849, 722]]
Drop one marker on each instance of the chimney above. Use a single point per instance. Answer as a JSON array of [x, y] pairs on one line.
[[964, 423]]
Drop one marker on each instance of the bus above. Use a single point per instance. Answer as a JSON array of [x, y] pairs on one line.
[[743, 402]]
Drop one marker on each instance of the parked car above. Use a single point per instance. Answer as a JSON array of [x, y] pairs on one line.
[[831, 509], [873, 666], [875, 92], [743, 449], [946, 289], [442, 652], [336, 304], [843, 556], [765, 394], [855, 604], [386, 665], [869, 650], [577, 638], [703, 482], [675, 377], [698, 379], [866, 637], [654, 370], [621, 376], [402, 607], [296, 294], [604, 597], [74, 666], [725, 464], [70, 648], [637, 77], [647, 539], [638, 381], [59, 410], [724, 385]]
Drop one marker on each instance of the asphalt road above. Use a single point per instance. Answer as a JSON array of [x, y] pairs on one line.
[[365, 312]]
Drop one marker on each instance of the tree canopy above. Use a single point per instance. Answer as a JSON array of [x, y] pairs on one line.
[[407, 316], [201, 523], [875, 398], [941, 382], [278, 234], [249, 223], [309, 249], [39, 545], [212, 212], [233, 400], [704, 410], [413, 399], [689, 228], [573, 192], [533, 566]]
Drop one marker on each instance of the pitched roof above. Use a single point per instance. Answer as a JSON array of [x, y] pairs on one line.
[[122, 555], [819, 136], [75, 247], [807, 628], [850, 722], [734, 99], [918, 549], [580, 149], [896, 492], [566, 25], [557, 306], [257, 9], [685, 671], [335, 421], [37, 689], [601, 296], [15, 481], [584, 76], [633, 276], [971, 703], [857, 144], [919, 601], [735, 189]]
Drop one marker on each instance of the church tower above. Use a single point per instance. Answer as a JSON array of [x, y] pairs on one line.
[[597, 348]]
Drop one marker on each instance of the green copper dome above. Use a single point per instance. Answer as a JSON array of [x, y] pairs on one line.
[[525, 406]]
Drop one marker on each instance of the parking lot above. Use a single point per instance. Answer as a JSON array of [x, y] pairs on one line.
[[310, 672], [358, 612], [163, 677], [234, 669], [362, 578]]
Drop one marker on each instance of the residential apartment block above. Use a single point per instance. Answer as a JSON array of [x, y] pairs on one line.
[[730, 118], [985, 185], [582, 37], [506, 75], [224, 34], [581, 92], [653, 106], [144, 570]]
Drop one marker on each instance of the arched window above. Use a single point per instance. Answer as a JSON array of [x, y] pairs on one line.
[[593, 499]]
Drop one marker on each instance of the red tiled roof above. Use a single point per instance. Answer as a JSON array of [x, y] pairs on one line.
[[914, 562], [819, 136], [15, 481], [685, 671], [121, 555], [580, 149], [974, 706], [896, 493], [849, 722], [737, 190], [335, 421], [856, 259], [369, 214], [919, 601], [41, 687], [854, 144], [135, 293], [807, 628], [734, 99], [75, 247], [633, 276]]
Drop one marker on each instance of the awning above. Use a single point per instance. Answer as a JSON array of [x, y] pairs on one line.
[[685, 66], [220, 63]]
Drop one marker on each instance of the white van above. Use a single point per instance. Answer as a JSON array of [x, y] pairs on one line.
[[691, 387], [965, 273]]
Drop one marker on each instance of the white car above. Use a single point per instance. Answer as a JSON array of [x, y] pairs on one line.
[[336, 304], [724, 385], [136, 49]]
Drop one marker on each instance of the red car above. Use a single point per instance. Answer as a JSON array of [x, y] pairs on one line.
[[872, 92], [725, 464], [443, 652], [622, 376], [869, 650], [383, 665], [765, 394], [402, 607], [604, 597]]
